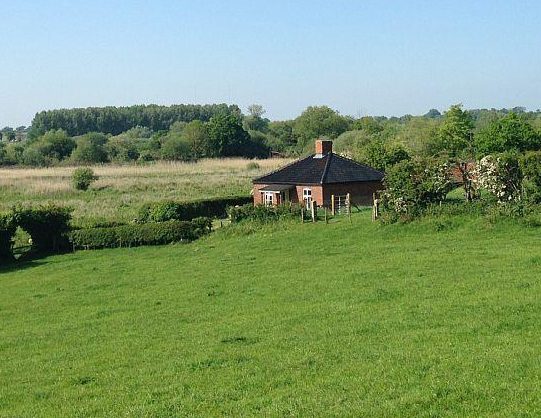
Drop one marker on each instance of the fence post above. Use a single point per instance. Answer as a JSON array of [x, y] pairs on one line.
[[302, 215], [348, 206], [332, 205], [313, 207]]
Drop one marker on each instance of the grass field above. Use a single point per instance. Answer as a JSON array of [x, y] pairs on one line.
[[304, 320], [121, 190]]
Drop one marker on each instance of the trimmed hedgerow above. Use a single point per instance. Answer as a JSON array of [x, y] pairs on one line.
[[185, 211], [47, 225], [7, 231], [140, 234], [263, 213]]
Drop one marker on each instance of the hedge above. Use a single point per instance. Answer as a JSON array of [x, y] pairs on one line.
[[140, 234], [263, 213], [47, 225], [7, 231], [185, 211]]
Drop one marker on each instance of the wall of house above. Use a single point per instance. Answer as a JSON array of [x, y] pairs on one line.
[[317, 193], [361, 193], [295, 194]]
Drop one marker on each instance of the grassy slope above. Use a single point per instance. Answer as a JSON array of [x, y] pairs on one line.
[[333, 319]]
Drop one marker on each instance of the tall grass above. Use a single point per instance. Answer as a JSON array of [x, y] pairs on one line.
[[121, 189]]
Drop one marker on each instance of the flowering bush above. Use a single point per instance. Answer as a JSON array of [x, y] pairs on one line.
[[412, 185], [501, 176]]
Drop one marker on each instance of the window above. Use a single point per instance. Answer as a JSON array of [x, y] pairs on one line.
[[268, 198], [307, 197]]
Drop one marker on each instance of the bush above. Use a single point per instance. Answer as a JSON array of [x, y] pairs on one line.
[[412, 185], [7, 231], [140, 234], [252, 165], [501, 175], [263, 213], [47, 225], [83, 177], [530, 164], [209, 208]]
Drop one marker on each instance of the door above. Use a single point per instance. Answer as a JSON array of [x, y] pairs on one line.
[[307, 197], [269, 198]]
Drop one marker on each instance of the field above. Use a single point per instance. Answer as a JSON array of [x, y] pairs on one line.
[[288, 319], [121, 190]]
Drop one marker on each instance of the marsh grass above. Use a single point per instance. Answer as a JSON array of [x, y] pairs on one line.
[[122, 189]]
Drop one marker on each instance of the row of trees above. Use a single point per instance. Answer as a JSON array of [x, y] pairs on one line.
[[222, 136], [189, 131], [115, 120]]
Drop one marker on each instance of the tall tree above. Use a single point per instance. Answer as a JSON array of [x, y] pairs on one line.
[[317, 121], [509, 133], [455, 134]]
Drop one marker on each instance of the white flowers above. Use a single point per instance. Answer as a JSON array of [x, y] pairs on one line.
[[498, 177]]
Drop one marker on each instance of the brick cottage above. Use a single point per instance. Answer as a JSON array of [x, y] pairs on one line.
[[317, 178]]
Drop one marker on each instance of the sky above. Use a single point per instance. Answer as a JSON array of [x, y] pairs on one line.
[[359, 57]]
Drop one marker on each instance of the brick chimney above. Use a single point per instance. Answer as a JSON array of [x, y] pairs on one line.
[[323, 147]]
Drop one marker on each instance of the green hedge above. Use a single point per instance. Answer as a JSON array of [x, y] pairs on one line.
[[140, 234], [47, 225], [185, 211], [7, 231], [263, 213]]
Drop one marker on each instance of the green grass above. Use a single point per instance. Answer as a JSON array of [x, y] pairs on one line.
[[311, 320]]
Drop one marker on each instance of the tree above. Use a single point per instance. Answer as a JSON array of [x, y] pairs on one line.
[[226, 136], [318, 121], [432, 114], [176, 148], [255, 121], [122, 149], [455, 134], [383, 156], [369, 124], [90, 149], [280, 136], [196, 135], [50, 148], [509, 133]]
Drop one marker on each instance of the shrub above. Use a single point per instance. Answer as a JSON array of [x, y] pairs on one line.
[[169, 210], [263, 213], [7, 231], [47, 225], [140, 234], [412, 185], [252, 165], [501, 175], [83, 177], [530, 164]]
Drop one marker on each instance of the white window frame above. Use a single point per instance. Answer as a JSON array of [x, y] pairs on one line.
[[268, 198], [307, 197]]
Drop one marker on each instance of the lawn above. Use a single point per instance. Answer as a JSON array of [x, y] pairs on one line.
[[305, 320], [121, 190]]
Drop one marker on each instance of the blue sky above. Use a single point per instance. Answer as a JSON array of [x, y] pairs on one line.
[[359, 57]]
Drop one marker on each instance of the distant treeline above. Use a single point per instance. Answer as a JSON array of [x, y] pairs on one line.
[[115, 120], [189, 132]]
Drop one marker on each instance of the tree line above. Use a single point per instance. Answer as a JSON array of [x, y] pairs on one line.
[[115, 120], [189, 132]]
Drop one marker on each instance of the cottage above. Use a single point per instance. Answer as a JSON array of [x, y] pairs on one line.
[[317, 178]]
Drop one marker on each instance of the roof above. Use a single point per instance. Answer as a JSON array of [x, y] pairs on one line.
[[276, 188], [321, 169]]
